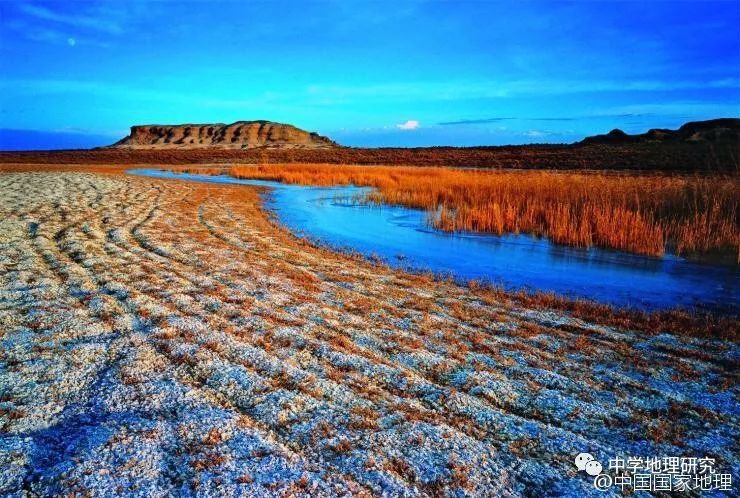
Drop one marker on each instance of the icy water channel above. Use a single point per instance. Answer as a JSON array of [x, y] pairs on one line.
[[402, 237]]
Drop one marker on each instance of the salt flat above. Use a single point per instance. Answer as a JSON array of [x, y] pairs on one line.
[[161, 338]]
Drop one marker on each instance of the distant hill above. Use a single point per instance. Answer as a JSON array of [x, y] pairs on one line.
[[239, 135], [713, 130], [703, 146]]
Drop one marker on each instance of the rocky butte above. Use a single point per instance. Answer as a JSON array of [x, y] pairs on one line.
[[239, 135]]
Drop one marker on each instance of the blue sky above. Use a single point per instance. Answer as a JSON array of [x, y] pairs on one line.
[[79, 73]]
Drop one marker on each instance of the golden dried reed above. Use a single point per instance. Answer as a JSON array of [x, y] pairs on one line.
[[641, 213]]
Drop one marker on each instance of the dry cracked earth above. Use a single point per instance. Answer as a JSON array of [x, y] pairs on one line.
[[163, 338]]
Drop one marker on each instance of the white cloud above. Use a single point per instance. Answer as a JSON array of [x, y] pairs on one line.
[[536, 133], [411, 124], [98, 22]]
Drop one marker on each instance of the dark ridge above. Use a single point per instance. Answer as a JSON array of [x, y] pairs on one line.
[[713, 130]]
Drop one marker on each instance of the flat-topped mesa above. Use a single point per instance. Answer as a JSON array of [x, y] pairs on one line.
[[239, 135]]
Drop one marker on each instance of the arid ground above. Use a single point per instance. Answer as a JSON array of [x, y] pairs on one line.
[[163, 337]]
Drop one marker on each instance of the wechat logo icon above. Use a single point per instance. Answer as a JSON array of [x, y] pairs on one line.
[[586, 461]]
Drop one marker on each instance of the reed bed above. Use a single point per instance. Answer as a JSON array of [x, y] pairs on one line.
[[641, 213]]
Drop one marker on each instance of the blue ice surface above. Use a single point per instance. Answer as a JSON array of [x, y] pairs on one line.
[[403, 238]]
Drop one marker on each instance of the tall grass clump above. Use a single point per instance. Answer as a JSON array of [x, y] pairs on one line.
[[640, 213]]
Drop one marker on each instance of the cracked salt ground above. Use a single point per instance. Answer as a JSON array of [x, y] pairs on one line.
[[162, 338]]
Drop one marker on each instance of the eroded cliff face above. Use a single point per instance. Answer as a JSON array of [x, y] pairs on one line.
[[239, 135]]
